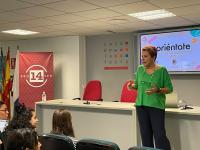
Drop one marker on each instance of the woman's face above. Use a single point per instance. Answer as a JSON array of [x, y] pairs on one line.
[[34, 120], [4, 112], [147, 60]]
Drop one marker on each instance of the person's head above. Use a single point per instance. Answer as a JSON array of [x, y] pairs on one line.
[[22, 139], [23, 118], [149, 55], [34, 120], [3, 111], [62, 123]]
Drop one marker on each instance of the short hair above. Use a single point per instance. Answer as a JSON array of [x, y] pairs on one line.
[[62, 123], [152, 50], [20, 139]]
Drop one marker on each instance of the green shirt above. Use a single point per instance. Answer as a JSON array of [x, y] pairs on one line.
[[144, 81]]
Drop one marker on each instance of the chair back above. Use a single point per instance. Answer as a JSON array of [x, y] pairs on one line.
[[93, 91], [128, 95], [95, 144], [56, 142], [142, 148]]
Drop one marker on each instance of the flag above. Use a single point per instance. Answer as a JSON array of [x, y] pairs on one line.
[[1, 73], [15, 86], [7, 82]]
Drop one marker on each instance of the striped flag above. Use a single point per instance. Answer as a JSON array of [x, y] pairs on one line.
[[1, 73], [7, 81]]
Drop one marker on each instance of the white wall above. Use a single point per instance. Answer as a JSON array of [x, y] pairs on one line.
[[68, 51], [187, 86], [112, 80]]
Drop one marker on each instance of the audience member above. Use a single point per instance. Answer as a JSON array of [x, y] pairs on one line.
[[62, 124], [3, 119], [3, 111], [21, 139], [3, 115], [23, 118]]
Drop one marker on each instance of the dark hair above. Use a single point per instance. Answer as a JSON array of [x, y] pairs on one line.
[[20, 139], [62, 123], [152, 50], [21, 118], [2, 103]]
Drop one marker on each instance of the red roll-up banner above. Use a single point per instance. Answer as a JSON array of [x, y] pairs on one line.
[[35, 77]]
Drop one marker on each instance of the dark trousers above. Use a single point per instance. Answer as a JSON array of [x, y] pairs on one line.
[[152, 126]]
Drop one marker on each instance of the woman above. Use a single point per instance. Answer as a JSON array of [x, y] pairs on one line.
[[23, 118], [152, 82], [3, 120], [22, 139], [62, 124], [3, 111]]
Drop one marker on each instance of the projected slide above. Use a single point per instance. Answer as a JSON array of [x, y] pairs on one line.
[[177, 51]]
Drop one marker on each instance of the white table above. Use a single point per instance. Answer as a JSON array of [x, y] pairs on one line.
[[117, 122], [183, 128], [110, 121]]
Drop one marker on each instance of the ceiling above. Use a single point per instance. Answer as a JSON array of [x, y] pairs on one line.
[[90, 17]]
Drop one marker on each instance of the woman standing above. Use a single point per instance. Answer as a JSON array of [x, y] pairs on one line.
[[152, 82]]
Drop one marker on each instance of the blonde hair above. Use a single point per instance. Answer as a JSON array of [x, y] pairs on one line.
[[152, 50]]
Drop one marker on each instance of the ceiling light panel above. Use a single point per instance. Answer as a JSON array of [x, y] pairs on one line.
[[150, 15], [19, 32]]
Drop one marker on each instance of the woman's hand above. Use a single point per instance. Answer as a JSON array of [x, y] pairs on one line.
[[152, 90], [130, 85]]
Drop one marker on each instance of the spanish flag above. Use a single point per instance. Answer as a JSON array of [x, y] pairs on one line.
[[7, 82]]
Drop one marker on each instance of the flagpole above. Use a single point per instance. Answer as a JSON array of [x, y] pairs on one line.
[[15, 85], [1, 80]]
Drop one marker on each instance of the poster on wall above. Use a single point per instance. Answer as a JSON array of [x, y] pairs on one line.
[[35, 77], [116, 55]]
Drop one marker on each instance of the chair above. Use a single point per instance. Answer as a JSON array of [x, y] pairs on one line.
[[92, 91], [128, 95], [1, 138], [56, 142], [142, 148], [95, 144]]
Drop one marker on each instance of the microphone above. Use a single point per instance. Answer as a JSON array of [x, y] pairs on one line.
[[186, 107], [87, 102]]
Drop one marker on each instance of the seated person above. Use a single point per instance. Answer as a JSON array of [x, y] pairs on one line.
[[23, 118], [21, 139], [3, 119], [3, 115], [62, 124]]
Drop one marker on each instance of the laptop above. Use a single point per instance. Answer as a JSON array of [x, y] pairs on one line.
[[171, 100]]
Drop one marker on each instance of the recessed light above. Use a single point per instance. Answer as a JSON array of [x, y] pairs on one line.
[[150, 15], [20, 32]]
